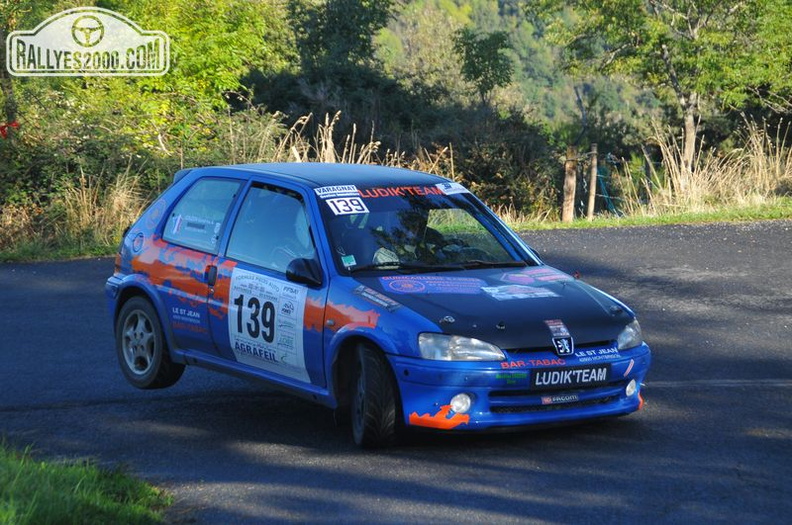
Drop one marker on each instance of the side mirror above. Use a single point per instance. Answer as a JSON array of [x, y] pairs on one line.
[[304, 271]]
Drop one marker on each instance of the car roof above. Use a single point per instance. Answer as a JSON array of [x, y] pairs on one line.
[[317, 174]]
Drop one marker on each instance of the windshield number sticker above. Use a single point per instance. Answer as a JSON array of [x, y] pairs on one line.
[[347, 205]]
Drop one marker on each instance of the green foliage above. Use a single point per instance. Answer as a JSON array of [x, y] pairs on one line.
[[484, 62], [417, 50], [400, 73], [691, 53], [213, 43], [151, 125], [332, 32], [508, 163], [34, 492]]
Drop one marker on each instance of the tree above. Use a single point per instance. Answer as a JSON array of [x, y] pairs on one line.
[[483, 61], [693, 53], [9, 16], [337, 32], [417, 50]]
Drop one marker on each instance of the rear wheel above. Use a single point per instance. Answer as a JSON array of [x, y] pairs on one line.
[[374, 400], [140, 345]]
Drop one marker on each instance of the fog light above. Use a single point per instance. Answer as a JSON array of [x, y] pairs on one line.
[[632, 387], [460, 403]]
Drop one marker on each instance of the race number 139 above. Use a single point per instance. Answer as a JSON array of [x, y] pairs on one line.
[[261, 318], [347, 205]]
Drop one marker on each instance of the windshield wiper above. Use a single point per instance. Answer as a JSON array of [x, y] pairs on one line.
[[477, 263], [405, 267]]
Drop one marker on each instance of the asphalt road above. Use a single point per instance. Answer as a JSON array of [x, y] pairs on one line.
[[713, 444]]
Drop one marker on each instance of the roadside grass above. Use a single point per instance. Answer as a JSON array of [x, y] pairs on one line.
[[87, 216], [779, 208], [36, 492]]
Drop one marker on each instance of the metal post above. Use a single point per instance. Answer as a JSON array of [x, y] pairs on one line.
[[592, 183]]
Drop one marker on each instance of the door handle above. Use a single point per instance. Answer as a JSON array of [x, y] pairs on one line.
[[211, 275]]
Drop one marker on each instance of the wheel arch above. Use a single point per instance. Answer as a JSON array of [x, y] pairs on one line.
[[139, 289], [343, 365]]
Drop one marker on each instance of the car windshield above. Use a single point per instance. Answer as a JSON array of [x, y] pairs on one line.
[[413, 229]]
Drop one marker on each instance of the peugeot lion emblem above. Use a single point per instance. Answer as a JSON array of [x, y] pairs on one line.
[[564, 346]]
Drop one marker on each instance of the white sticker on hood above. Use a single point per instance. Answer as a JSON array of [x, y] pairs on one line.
[[517, 291]]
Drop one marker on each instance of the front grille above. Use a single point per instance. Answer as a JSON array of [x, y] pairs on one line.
[[522, 400], [521, 409]]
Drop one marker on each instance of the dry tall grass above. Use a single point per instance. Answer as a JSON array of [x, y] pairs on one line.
[[296, 146], [17, 222], [96, 212], [89, 213], [752, 174]]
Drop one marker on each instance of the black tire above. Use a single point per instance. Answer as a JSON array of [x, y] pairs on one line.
[[141, 348], [374, 400]]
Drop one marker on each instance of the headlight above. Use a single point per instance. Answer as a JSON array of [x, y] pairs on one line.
[[440, 347], [630, 336]]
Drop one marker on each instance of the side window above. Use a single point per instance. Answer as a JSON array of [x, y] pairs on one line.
[[271, 230], [196, 220]]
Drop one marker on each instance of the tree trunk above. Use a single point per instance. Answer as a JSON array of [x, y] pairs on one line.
[[6, 87], [570, 181], [688, 148]]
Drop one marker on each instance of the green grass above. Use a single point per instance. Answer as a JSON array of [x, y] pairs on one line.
[[39, 493], [779, 209], [36, 250]]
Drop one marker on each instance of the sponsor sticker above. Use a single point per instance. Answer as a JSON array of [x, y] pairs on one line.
[[186, 315], [327, 192], [513, 378], [557, 400], [424, 284], [376, 298], [451, 188], [598, 354], [536, 275], [551, 378], [629, 368], [399, 191], [557, 328], [517, 291], [532, 362], [265, 320], [177, 224]]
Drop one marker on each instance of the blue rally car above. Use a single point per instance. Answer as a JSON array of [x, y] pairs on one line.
[[392, 296]]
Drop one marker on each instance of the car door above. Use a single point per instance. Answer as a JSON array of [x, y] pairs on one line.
[[180, 259], [259, 318]]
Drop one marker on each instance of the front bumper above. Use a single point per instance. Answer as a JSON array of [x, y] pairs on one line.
[[505, 394]]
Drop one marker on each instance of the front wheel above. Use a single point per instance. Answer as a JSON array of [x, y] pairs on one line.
[[374, 398], [141, 348]]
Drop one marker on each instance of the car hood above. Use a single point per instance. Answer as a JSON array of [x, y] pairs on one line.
[[513, 309]]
